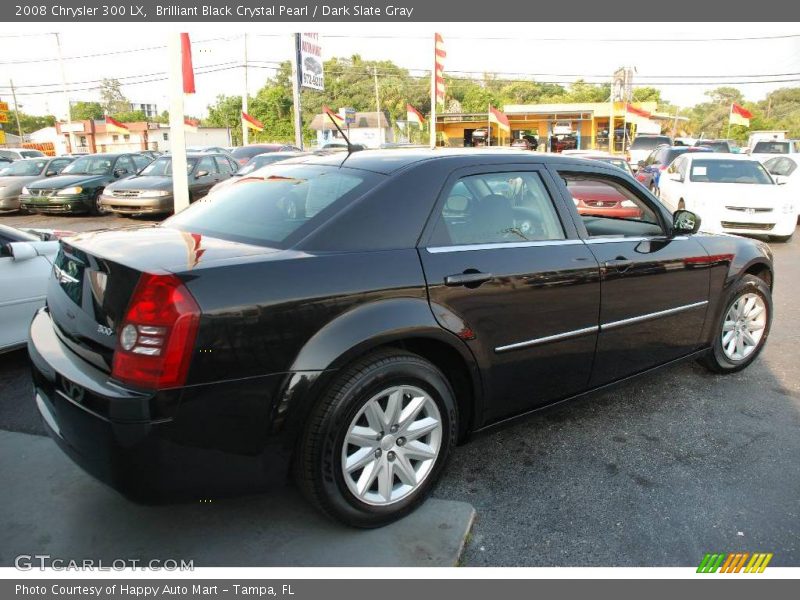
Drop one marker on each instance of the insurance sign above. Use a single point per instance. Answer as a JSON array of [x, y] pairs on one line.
[[310, 57]]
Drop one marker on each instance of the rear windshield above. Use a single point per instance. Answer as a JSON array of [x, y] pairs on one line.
[[23, 167], [162, 167], [31, 154], [251, 151], [262, 160], [729, 171], [771, 148], [649, 142], [716, 146], [266, 210]]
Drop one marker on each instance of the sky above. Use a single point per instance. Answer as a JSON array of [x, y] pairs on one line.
[[662, 53]]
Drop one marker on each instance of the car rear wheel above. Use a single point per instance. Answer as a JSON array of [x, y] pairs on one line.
[[742, 330], [378, 440]]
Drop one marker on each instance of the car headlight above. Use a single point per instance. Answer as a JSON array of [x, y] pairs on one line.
[[154, 193], [628, 204], [70, 191], [25, 191]]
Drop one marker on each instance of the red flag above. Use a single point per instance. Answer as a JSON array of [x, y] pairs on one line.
[[252, 122], [113, 125], [191, 124], [741, 111], [336, 116], [499, 118], [186, 64], [637, 111], [414, 116]]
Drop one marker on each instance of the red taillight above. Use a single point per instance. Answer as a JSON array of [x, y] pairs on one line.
[[156, 337], [244, 161]]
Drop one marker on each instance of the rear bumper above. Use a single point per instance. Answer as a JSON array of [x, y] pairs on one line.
[[196, 442]]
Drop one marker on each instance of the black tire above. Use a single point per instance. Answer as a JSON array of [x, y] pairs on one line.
[[716, 360], [781, 238], [317, 464], [95, 209]]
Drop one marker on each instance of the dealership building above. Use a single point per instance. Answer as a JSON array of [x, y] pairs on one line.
[[588, 122]]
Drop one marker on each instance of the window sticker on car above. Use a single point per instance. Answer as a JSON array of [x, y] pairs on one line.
[[701, 171]]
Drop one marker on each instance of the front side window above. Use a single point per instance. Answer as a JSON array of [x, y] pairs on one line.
[[223, 165], [728, 171], [268, 210], [497, 208], [608, 208]]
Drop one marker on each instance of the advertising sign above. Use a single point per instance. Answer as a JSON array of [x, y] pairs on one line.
[[348, 114], [311, 75]]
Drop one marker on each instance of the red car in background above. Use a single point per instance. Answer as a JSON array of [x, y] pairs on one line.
[[596, 199]]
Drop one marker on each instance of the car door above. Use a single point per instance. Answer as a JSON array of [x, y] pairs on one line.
[[655, 286], [672, 182], [205, 176], [508, 274], [23, 285]]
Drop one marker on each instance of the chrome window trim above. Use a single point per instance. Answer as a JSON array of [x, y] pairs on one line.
[[497, 245], [611, 240], [602, 327], [547, 339], [653, 315]]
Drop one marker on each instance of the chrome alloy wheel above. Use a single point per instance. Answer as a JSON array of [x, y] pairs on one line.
[[391, 445], [743, 326]]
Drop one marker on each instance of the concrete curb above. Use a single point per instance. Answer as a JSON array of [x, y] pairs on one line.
[[52, 507]]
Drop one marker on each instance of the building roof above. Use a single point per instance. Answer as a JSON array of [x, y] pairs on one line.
[[363, 120]]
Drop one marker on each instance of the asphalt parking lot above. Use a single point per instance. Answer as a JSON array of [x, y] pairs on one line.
[[655, 473]]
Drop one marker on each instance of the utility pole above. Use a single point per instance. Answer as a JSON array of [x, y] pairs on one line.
[[70, 135], [177, 125], [298, 115], [432, 122], [16, 109], [245, 129], [377, 101]]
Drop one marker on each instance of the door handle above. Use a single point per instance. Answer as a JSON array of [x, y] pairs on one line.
[[619, 264], [468, 279]]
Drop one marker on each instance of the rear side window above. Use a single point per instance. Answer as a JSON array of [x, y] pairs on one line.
[[223, 165], [267, 210], [497, 208]]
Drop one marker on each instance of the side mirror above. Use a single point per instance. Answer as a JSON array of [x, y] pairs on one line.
[[780, 179], [200, 174], [22, 251], [50, 173], [685, 221], [120, 172]]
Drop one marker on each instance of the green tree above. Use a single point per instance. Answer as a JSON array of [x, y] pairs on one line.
[[31, 123], [112, 99], [86, 110]]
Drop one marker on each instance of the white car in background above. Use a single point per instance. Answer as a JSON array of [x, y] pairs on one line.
[[767, 149], [25, 265], [730, 193], [643, 144]]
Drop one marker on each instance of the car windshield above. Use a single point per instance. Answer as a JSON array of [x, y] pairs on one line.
[[771, 148], [267, 210], [23, 167], [648, 142], [251, 151], [162, 167], [617, 162], [31, 153], [90, 165], [729, 171]]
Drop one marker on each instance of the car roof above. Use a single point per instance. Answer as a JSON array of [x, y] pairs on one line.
[[721, 156], [390, 161]]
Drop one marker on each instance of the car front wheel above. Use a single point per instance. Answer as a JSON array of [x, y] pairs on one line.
[[742, 331], [378, 440]]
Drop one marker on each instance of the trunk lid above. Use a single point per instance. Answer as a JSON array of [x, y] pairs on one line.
[[95, 275]]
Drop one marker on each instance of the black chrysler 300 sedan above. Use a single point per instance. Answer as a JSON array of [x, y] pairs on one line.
[[348, 319]]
